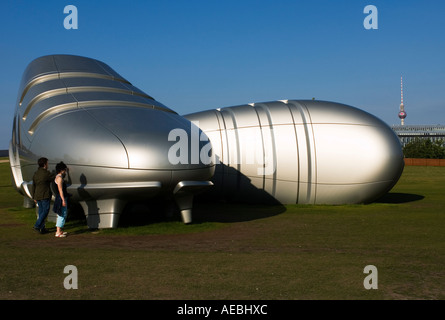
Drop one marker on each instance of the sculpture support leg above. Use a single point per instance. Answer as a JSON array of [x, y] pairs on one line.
[[102, 213], [184, 200], [28, 203], [183, 194]]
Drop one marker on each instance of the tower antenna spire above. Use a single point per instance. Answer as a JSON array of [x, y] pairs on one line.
[[401, 89], [402, 113]]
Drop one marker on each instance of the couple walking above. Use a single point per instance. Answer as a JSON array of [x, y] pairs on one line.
[[41, 193]]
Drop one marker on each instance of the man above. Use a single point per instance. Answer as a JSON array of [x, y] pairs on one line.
[[41, 193]]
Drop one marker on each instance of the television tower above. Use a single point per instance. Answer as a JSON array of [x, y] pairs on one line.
[[402, 113]]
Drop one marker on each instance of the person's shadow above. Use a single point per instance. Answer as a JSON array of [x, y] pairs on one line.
[[90, 203]]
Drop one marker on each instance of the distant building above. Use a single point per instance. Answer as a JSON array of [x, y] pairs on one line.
[[408, 133]]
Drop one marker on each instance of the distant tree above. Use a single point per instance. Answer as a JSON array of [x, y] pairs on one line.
[[425, 149]]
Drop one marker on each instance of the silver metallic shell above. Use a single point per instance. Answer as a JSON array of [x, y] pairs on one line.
[[116, 142], [113, 137], [296, 151]]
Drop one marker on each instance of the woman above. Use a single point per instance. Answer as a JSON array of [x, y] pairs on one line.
[[61, 199]]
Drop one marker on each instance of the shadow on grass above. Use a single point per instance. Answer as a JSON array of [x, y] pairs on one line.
[[138, 214], [398, 198], [235, 212]]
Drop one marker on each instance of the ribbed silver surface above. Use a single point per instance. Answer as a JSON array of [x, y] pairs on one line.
[[113, 137], [295, 151]]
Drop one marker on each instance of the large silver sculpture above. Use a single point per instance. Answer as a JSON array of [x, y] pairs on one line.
[[307, 152], [112, 136], [121, 145]]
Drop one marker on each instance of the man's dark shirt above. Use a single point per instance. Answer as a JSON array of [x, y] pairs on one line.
[[41, 184]]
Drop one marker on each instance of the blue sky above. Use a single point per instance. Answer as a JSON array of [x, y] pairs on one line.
[[197, 55]]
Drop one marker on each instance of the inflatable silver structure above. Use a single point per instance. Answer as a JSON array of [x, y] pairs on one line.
[[121, 145], [307, 152], [112, 136]]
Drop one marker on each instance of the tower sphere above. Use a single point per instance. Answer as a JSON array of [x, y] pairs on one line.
[[402, 114]]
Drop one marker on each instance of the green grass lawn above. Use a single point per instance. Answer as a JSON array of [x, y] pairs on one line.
[[235, 251]]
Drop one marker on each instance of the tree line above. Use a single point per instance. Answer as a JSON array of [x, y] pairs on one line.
[[424, 149]]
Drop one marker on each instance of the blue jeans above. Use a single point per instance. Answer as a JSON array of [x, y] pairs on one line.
[[43, 213], [61, 218]]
